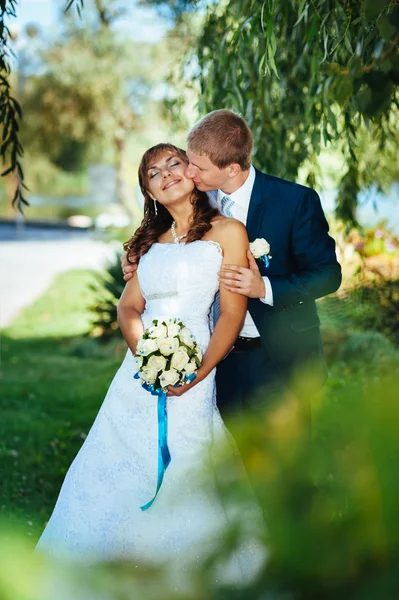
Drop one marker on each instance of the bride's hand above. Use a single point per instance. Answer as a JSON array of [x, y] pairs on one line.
[[180, 389], [128, 268]]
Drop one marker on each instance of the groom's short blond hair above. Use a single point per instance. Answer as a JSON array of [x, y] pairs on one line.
[[224, 137]]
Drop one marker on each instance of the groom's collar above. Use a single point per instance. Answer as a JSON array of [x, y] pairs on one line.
[[241, 196]]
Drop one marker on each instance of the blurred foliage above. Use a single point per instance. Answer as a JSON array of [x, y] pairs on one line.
[[370, 293], [91, 96], [305, 74], [370, 307], [85, 111], [172, 9], [81, 107], [374, 241], [107, 289], [10, 110], [369, 348]]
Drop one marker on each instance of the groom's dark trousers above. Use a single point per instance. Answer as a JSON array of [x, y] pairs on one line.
[[303, 268]]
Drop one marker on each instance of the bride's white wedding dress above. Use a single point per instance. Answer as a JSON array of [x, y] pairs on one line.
[[98, 512]]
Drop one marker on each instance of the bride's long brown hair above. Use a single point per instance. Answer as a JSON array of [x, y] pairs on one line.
[[154, 224]]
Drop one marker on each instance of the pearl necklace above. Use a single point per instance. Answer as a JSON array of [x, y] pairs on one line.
[[176, 238]]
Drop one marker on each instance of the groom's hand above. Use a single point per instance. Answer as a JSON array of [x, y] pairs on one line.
[[128, 268], [242, 280]]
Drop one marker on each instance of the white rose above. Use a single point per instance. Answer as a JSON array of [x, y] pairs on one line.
[[190, 368], [173, 329], [168, 345], [179, 359], [145, 347], [158, 363], [157, 331], [198, 353], [169, 377], [138, 361], [186, 337], [259, 247], [148, 375]]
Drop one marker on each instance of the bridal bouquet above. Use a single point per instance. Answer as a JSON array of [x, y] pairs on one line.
[[167, 354]]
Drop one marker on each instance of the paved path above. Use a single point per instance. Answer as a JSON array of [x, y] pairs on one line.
[[29, 260]]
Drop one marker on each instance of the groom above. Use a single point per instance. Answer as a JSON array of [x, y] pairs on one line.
[[281, 333]]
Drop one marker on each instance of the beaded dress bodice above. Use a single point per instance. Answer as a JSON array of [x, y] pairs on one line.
[[181, 280]]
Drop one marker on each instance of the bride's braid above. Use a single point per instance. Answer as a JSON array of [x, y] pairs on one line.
[[154, 224]]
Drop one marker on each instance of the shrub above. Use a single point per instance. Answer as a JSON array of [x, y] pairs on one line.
[[108, 288]]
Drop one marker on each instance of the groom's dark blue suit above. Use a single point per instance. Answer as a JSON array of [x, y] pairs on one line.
[[303, 267]]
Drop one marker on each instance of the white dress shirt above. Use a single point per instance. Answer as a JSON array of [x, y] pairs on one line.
[[239, 210]]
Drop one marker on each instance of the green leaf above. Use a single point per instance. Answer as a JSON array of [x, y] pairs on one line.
[[348, 44], [378, 49], [300, 8], [386, 28], [343, 89], [7, 171], [372, 8]]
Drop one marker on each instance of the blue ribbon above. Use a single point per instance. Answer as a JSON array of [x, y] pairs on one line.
[[265, 259], [163, 450]]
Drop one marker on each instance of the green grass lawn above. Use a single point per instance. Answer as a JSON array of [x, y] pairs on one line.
[[53, 381]]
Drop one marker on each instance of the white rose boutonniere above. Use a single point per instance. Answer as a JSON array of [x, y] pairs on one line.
[[260, 249]]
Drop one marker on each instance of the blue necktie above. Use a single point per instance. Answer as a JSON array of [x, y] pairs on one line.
[[226, 205]]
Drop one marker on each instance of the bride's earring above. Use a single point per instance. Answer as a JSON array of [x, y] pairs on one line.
[[155, 207]]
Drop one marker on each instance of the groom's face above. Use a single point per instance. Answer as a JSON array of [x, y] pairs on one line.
[[205, 175]]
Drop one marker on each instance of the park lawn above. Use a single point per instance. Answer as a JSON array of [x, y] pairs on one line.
[[53, 381]]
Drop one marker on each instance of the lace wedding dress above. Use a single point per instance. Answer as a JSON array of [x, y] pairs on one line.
[[98, 514]]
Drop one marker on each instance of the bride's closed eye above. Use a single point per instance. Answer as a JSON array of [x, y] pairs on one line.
[[153, 174]]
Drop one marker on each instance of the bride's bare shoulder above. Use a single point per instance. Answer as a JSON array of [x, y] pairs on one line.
[[226, 226], [228, 233]]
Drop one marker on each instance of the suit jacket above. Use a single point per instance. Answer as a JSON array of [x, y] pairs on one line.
[[303, 267]]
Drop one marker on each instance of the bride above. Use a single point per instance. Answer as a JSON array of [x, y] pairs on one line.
[[181, 245]]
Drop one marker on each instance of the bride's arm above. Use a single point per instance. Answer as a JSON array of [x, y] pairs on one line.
[[130, 307], [233, 238]]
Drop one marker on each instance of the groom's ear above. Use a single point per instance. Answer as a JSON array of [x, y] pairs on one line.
[[234, 169]]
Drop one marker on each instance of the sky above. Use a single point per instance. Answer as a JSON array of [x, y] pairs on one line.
[[142, 24]]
